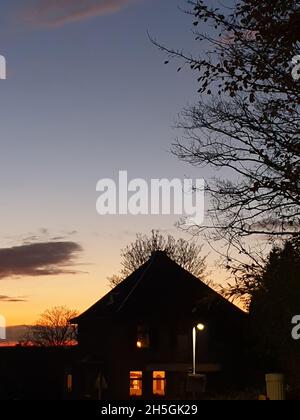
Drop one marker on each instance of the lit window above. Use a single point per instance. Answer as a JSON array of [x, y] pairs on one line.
[[69, 383], [136, 384], [143, 340], [159, 383]]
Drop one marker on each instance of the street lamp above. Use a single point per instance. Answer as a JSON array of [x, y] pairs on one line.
[[199, 327]]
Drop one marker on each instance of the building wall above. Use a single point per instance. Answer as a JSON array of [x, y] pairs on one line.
[[113, 342]]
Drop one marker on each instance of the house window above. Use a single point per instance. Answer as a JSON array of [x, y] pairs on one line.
[[69, 383], [159, 383], [136, 384], [143, 340]]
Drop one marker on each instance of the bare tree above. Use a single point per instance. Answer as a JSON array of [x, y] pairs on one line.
[[52, 329], [185, 253], [114, 280], [246, 123]]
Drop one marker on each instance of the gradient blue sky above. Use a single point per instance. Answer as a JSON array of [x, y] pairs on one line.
[[82, 101]]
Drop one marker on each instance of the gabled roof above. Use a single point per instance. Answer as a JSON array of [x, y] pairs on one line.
[[160, 285]]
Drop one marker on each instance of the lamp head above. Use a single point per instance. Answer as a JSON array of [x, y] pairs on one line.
[[200, 327]]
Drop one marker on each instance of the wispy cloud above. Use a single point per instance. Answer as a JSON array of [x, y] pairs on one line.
[[38, 259], [59, 12], [10, 299], [42, 235]]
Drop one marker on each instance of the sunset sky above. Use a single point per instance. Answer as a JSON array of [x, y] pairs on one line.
[[87, 95]]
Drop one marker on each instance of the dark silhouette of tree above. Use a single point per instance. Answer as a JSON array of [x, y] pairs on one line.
[[274, 302], [246, 123], [52, 329], [114, 280], [186, 254]]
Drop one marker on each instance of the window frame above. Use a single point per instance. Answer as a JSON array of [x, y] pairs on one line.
[[139, 380], [156, 380]]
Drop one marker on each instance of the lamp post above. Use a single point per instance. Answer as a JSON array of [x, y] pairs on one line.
[[199, 327]]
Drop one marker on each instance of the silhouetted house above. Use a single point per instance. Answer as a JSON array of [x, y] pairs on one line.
[[136, 342]]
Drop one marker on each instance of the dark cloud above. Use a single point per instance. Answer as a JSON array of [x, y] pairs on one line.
[[38, 259], [59, 12]]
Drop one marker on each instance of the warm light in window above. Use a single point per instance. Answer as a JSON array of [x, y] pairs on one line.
[[136, 384], [69, 383], [143, 340], [159, 383]]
